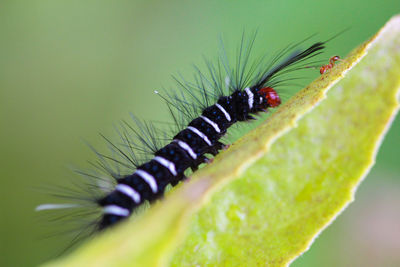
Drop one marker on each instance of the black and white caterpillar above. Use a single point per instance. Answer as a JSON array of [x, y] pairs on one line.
[[208, 107], [187, 150]]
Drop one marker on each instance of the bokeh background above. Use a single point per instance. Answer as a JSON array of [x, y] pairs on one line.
[[71, 69]]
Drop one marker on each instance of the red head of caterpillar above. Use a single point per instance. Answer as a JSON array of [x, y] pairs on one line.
[[272, 98]]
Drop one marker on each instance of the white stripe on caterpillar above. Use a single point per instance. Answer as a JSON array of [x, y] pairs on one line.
[[149, 179], [187, 148], [167, 164], [227, 116], [129, 191], [251, 97], [116, 210], [213, 124], [203, 136]]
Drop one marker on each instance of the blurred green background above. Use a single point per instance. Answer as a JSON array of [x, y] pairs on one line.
[[70, 69]]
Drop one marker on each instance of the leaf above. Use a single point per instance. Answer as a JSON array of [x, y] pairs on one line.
[[264, 200]]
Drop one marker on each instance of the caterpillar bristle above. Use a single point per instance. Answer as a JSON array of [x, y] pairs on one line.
[[55, 206]]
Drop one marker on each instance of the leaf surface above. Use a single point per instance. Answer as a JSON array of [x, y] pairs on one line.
[[265, 199]]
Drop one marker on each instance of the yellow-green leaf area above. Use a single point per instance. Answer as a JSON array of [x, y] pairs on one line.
[[263, 201], [273, 211]]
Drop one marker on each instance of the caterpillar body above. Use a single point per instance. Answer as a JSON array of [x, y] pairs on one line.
[[227, 96], [187, 150]]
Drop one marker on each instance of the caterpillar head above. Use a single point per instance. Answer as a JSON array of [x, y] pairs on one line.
[[271, 97]]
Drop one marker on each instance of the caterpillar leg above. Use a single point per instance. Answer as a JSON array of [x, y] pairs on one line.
[[217, 147], [200, 160]]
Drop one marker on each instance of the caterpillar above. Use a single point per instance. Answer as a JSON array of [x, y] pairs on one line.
[[202, 111]]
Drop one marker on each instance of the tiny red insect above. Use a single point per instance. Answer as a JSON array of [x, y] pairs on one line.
[[329, 66]]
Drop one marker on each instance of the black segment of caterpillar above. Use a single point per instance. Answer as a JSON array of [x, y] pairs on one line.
[[188, 148]]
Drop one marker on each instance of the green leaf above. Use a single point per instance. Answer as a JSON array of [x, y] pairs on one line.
[[264, 200]]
